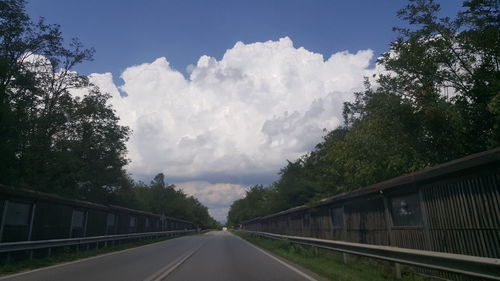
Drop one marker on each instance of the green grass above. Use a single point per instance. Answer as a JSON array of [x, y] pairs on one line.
[[67, 255], [328, 264]]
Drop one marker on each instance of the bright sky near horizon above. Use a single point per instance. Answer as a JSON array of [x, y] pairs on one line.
[[219, 94]]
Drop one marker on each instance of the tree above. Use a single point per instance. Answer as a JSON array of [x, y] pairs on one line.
[[163, 198], [436, 57], [159, 180], [384, 144], [51, 140], [257, 202], [54, 141], [438, 100]]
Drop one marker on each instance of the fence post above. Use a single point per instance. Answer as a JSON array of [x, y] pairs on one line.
[[425, 220], [397, 270], [330, 222], [86, 214], [388, 219], [345, 257], [32, 219], [4, 215]]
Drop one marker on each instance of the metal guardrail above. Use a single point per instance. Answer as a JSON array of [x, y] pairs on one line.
[[482, 267], [43, 244]]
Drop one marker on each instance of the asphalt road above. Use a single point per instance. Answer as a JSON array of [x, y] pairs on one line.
[[217, 256]]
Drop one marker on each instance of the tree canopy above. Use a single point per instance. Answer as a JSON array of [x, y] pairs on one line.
[[51, 139], [55, 141], [162, 198], [437, 100]]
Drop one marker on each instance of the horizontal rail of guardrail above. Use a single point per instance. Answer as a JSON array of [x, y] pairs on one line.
[[487, 268], [42, 244]]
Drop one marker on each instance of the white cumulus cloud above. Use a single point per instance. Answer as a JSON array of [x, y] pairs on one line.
[[237, 119]]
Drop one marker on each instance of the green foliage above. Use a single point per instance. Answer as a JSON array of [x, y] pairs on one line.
[[56, 142], [51, 140], [253, 205], [438, 100], [385, 142], [448, 70], [161, 198], [329, 264]]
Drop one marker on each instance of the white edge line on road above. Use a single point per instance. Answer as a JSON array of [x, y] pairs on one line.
[[81, 260], [296, 270]]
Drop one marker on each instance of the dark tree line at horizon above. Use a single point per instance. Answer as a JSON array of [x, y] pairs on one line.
[[439, 100], [56, 142]]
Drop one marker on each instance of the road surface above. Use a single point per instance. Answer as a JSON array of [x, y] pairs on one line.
[[217, 256]]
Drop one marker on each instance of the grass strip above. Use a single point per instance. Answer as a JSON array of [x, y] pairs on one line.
[[329, 264], [68, 255]]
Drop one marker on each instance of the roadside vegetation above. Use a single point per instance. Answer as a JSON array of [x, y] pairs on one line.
[[58, 132], [437, 99], [328, 264]]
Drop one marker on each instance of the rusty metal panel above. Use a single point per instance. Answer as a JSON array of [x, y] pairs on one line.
[[365, 221], [410, 237], [464, 216]]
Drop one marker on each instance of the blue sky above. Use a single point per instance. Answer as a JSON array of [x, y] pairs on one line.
[[129, 32], [266, 80]]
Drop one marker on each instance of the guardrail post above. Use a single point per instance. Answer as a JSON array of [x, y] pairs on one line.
[[397, 270], [345, 257]]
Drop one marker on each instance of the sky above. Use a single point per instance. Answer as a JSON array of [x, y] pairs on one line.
[[220, 94]]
